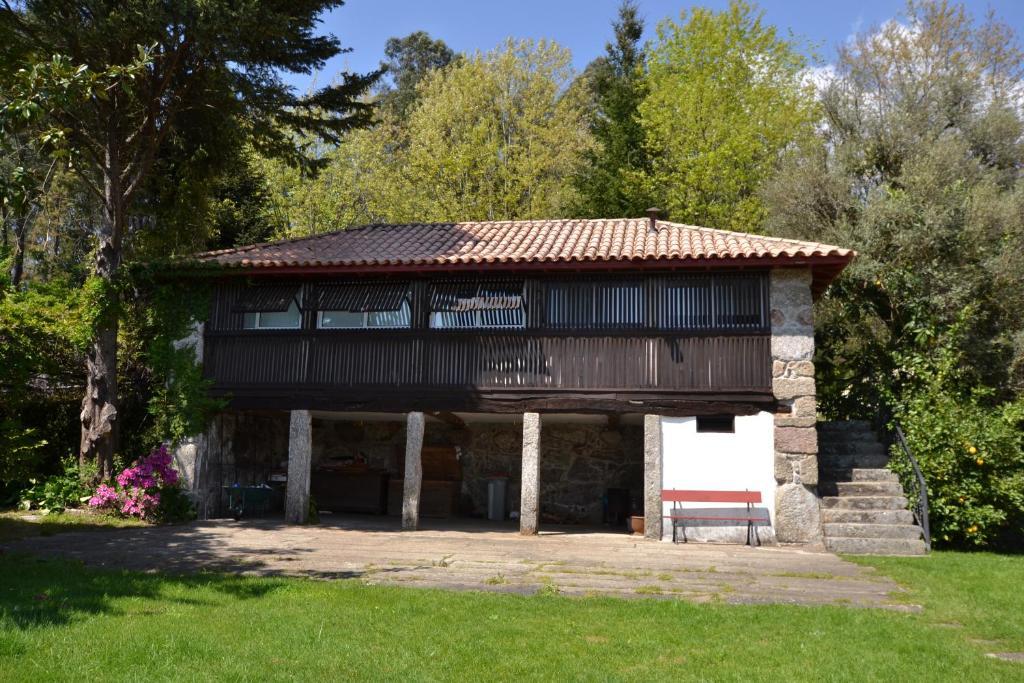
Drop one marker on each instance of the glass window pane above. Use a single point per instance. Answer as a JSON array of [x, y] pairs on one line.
[[288, 319], [345, 319], [251, 321], [452, 319], [399, 318], [501, 317]]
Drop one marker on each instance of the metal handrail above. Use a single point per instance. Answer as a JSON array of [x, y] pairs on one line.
[[921, 510], [886, 424]]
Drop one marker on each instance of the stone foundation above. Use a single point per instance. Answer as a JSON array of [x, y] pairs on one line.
[[578, 464], [797, 518]]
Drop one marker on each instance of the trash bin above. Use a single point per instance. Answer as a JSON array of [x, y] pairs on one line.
[[497, 491]]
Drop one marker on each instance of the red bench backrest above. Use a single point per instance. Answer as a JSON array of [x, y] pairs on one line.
[[683, 496]]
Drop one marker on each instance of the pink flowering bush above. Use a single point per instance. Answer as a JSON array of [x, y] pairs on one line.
[[142, 488]]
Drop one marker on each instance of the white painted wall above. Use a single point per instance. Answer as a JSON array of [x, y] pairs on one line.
[[743, 460]]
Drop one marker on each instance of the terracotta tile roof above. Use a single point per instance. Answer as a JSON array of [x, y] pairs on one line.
[[535, 243]]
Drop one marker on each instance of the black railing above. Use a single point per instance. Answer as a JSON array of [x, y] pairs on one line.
[[908, 470]]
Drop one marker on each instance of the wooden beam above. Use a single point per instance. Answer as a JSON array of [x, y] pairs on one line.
[[468, 402], [448, 418]]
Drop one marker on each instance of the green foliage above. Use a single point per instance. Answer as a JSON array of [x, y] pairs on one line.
[[408, 61], [916, 166], [43, 333], [607, 182], [56, 493], [175, 506], [970, 448], [972, 458], [161, 327], [724, 100], [20, 450], [492, 136]]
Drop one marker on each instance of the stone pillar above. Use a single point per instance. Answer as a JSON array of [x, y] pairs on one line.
[[414, 426], [300, 444], [797, 515], [652, 477], [529, 503]]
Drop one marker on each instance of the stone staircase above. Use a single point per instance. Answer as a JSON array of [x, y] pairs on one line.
[[863, 508]]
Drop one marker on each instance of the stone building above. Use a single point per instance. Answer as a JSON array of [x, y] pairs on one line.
[[586, 365]]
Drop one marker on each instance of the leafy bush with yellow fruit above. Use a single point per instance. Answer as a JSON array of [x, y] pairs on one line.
[[972, 459]]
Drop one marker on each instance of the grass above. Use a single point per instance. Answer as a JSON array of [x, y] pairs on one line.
[[978, 595], [61, 621], [17, 524]]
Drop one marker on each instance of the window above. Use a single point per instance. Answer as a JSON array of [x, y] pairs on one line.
[[686, 304], [273, 320], [716, 424], [363, 305], [741, 301], [588, 305], [270, 307], [723, 301], [476, 305], [365, 319]]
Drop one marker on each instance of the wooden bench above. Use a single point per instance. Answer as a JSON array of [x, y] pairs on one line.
[[680, 516]]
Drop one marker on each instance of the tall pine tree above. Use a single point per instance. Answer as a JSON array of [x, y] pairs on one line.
[[111, 81], [608, 186]]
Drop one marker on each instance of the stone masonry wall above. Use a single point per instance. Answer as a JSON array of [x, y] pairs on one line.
[[579, 462], [797, 518]]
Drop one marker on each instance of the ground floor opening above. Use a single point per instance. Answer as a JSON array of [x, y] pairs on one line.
[[591, 467]]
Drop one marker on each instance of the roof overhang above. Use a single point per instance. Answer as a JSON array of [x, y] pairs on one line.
[[824, 269]]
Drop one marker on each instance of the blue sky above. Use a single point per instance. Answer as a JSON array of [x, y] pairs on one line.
[[583, 26]]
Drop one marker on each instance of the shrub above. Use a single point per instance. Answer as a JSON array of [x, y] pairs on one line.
[[56, 493], [972, 459], [148, 489]]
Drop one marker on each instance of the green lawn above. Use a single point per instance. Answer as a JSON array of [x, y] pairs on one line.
[[23, 524], [60, 621]]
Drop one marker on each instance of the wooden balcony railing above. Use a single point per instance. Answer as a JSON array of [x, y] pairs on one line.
[[494, 361]]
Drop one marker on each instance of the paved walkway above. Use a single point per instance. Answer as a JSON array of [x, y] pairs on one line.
[[484, 556]]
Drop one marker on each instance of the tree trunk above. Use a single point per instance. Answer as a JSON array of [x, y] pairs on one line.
[[18, 262], [99, 407]]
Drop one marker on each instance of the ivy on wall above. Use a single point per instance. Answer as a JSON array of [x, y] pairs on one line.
[[165, 321]]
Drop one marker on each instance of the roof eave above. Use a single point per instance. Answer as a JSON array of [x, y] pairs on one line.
[[828, 263]]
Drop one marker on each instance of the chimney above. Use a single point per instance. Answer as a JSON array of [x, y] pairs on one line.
[[654, 213]]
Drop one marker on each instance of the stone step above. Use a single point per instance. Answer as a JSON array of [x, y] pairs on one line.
[[869, 488], [872, 474], [865, 502], [862, 530], [844, 426], [858, 474], [827, 432], [875, 546], [852, 516], [859, 447], [850, 461]]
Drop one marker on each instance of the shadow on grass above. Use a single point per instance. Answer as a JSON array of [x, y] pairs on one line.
[[15, 525], [39, 592]]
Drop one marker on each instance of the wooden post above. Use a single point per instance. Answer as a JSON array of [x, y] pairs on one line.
[[413, 471]]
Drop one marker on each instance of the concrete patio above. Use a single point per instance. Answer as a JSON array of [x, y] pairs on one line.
[[484, 556]]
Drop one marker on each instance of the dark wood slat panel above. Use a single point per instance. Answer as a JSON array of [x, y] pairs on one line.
[[490, 360]]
